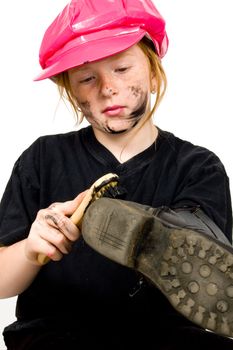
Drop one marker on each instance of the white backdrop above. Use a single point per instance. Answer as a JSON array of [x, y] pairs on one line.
[[197, 107]]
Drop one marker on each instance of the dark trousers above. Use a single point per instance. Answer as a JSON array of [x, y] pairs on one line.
[[191, 338]]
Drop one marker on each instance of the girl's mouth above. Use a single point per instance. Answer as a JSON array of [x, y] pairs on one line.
[[113, 110]]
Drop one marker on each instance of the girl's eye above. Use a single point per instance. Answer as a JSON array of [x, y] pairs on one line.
[[87, 80], [122, 69]]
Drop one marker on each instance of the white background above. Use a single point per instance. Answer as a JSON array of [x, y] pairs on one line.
[[199, 66]]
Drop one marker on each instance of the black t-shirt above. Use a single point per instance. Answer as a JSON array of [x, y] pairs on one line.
[[84, 285]]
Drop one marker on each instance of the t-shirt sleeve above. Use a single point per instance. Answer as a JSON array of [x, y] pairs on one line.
[[20, 201], [207, 186]]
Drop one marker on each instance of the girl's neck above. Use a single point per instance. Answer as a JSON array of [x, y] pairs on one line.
[[127, 145]]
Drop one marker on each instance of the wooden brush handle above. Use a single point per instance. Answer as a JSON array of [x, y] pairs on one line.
[[77, 216]]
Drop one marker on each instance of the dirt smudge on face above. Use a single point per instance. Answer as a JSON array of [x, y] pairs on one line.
[[140, 109], [136, 90]]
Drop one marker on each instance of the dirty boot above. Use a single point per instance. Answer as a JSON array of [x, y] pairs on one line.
[[192, 269]]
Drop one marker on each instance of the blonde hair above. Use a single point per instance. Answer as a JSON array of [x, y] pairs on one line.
[[146, 45], [156, 68]]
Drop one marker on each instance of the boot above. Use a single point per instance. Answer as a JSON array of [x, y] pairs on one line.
[[192, 269]]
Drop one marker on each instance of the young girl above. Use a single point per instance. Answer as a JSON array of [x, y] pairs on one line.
[[105, 57]]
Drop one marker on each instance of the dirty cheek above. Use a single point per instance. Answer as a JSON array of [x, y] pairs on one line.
[[86, 109], [141, 108], [141, 102], [136, 91]]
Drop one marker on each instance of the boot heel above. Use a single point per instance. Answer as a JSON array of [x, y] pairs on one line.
[[115, 237]]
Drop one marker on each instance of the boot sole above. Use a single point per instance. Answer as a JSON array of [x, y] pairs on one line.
[[195, 273]]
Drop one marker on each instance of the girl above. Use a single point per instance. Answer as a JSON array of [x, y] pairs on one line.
[[105, 57]]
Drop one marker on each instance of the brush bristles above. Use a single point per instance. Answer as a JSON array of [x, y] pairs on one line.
[[108, 179], [111, 189]]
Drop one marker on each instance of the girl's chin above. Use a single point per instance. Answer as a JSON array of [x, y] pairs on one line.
[[117, 127]]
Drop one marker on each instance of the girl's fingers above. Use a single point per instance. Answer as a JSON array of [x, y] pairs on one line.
[[67, 208], [63, 224], [53, 233], [57, 239]]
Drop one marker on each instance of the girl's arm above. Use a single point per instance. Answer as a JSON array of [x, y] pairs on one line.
[[52, 234]]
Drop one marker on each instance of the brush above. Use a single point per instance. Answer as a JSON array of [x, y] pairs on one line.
[[105, 186]]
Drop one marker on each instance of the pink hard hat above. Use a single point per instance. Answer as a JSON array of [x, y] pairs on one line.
[[89, 30]]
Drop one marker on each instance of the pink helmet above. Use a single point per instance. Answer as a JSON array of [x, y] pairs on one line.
[[89, 30]]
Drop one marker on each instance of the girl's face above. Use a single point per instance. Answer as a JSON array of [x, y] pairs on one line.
[[114, 93]]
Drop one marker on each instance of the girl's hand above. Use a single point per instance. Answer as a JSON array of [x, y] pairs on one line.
[[53, 233]]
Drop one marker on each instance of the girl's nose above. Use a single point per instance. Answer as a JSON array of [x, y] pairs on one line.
[[108, 87]]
